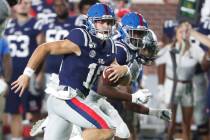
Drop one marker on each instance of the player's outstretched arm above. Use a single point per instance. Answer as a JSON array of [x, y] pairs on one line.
[[142, 96], [38, 56], [164, 114]]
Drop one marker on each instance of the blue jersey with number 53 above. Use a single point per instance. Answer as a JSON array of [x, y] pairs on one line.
[[80, 72], [22, 43]]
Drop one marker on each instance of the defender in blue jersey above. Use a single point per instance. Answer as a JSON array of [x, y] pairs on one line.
[[135, 46], [86, 53], [22, 35]]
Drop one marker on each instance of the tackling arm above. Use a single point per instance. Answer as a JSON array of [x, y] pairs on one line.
[[117, 94], [120, 71], [112, 92]]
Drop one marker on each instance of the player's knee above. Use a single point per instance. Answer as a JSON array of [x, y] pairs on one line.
[[122, 131]]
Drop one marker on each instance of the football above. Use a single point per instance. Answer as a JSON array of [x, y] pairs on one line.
[[105, 78], [121, 81]]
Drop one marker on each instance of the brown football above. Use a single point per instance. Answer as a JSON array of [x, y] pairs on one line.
[[105, 76], [106, 81]]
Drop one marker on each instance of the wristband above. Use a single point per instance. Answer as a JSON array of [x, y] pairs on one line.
[[28, 71]]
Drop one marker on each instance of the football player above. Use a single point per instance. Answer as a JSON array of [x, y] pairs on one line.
[[86, 52], [127, 56]]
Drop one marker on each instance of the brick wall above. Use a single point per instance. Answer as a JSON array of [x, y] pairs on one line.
[[156, 14]]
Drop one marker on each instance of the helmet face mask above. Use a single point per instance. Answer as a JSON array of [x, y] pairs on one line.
[[134, 32], [148, 52], [133, 27], [147, 55], [135, 38], [101, 31], [101, 21]]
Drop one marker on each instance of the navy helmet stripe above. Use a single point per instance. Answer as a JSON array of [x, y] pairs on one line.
[[106, 9]]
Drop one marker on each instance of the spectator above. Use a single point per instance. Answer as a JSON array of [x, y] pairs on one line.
[[180, 59]]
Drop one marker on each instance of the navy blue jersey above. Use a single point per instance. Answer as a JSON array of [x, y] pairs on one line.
[[22, 43], [169, 28], [126, 56], [55, 31], [81, 72], [43, 10], [122, 54]]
